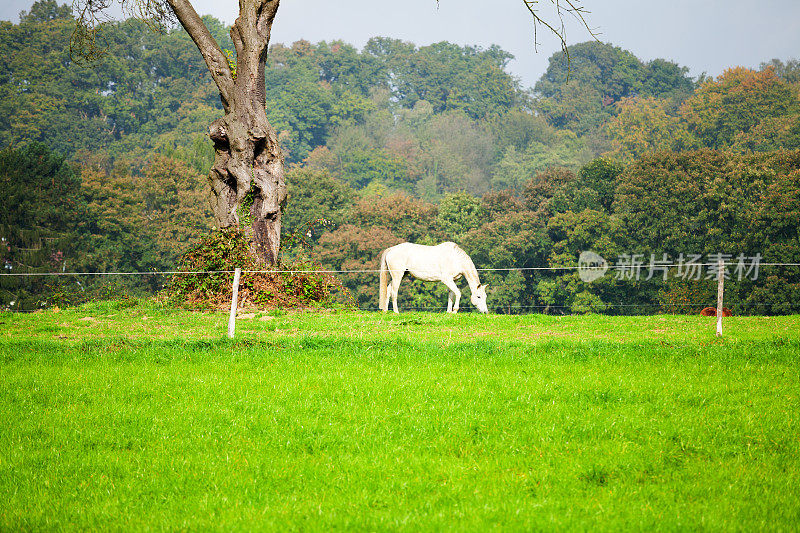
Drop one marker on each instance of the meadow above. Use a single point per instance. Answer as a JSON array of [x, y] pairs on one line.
[[127, 415]]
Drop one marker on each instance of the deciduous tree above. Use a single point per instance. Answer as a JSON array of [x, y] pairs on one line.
[[644, 125], [735, 102]]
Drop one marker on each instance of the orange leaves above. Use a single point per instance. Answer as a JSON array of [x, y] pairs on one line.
[[735, 102]]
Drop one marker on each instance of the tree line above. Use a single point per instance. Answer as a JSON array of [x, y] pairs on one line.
[[106, 164]]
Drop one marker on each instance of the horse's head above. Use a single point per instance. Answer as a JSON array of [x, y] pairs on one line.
[[479, 298]]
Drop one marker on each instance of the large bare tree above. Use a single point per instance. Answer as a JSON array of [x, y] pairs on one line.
[[248, 157]]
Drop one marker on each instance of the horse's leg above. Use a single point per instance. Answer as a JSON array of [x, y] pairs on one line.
[[450, 301], [388, 290], [397, 277], [455, 294]]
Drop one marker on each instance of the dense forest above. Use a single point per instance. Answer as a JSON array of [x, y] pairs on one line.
[[103, 167]]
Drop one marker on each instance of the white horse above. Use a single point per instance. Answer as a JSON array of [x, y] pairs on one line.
[[445, 262]]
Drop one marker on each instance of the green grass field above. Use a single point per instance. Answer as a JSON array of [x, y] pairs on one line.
[[117, 416]]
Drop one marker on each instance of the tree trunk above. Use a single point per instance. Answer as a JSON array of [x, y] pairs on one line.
[[248, 158]]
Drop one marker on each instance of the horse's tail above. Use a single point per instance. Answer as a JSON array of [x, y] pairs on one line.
[[383, 299]]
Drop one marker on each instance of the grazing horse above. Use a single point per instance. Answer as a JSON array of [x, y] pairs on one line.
[[445, 262]]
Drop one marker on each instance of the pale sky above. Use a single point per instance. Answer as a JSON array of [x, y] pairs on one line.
[[705, 35]]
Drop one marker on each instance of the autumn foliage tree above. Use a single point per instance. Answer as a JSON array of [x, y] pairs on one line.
[[141, 221], [645, 125], [735, 102]]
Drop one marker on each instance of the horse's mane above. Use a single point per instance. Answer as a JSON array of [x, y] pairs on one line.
[[463, 255]]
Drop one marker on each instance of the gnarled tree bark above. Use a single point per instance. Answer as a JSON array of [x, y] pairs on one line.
[[248, 158]]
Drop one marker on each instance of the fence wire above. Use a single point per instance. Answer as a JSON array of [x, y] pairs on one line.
[[504, 308], [361, 271]]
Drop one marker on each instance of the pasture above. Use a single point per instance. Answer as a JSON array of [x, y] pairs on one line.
[[130, 416]]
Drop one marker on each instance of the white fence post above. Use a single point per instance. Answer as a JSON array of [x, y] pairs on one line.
[[234, 302], [720, 291]]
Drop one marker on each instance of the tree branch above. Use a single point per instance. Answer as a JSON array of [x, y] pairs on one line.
[[215, 59], [573, 7], [265, 14]]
